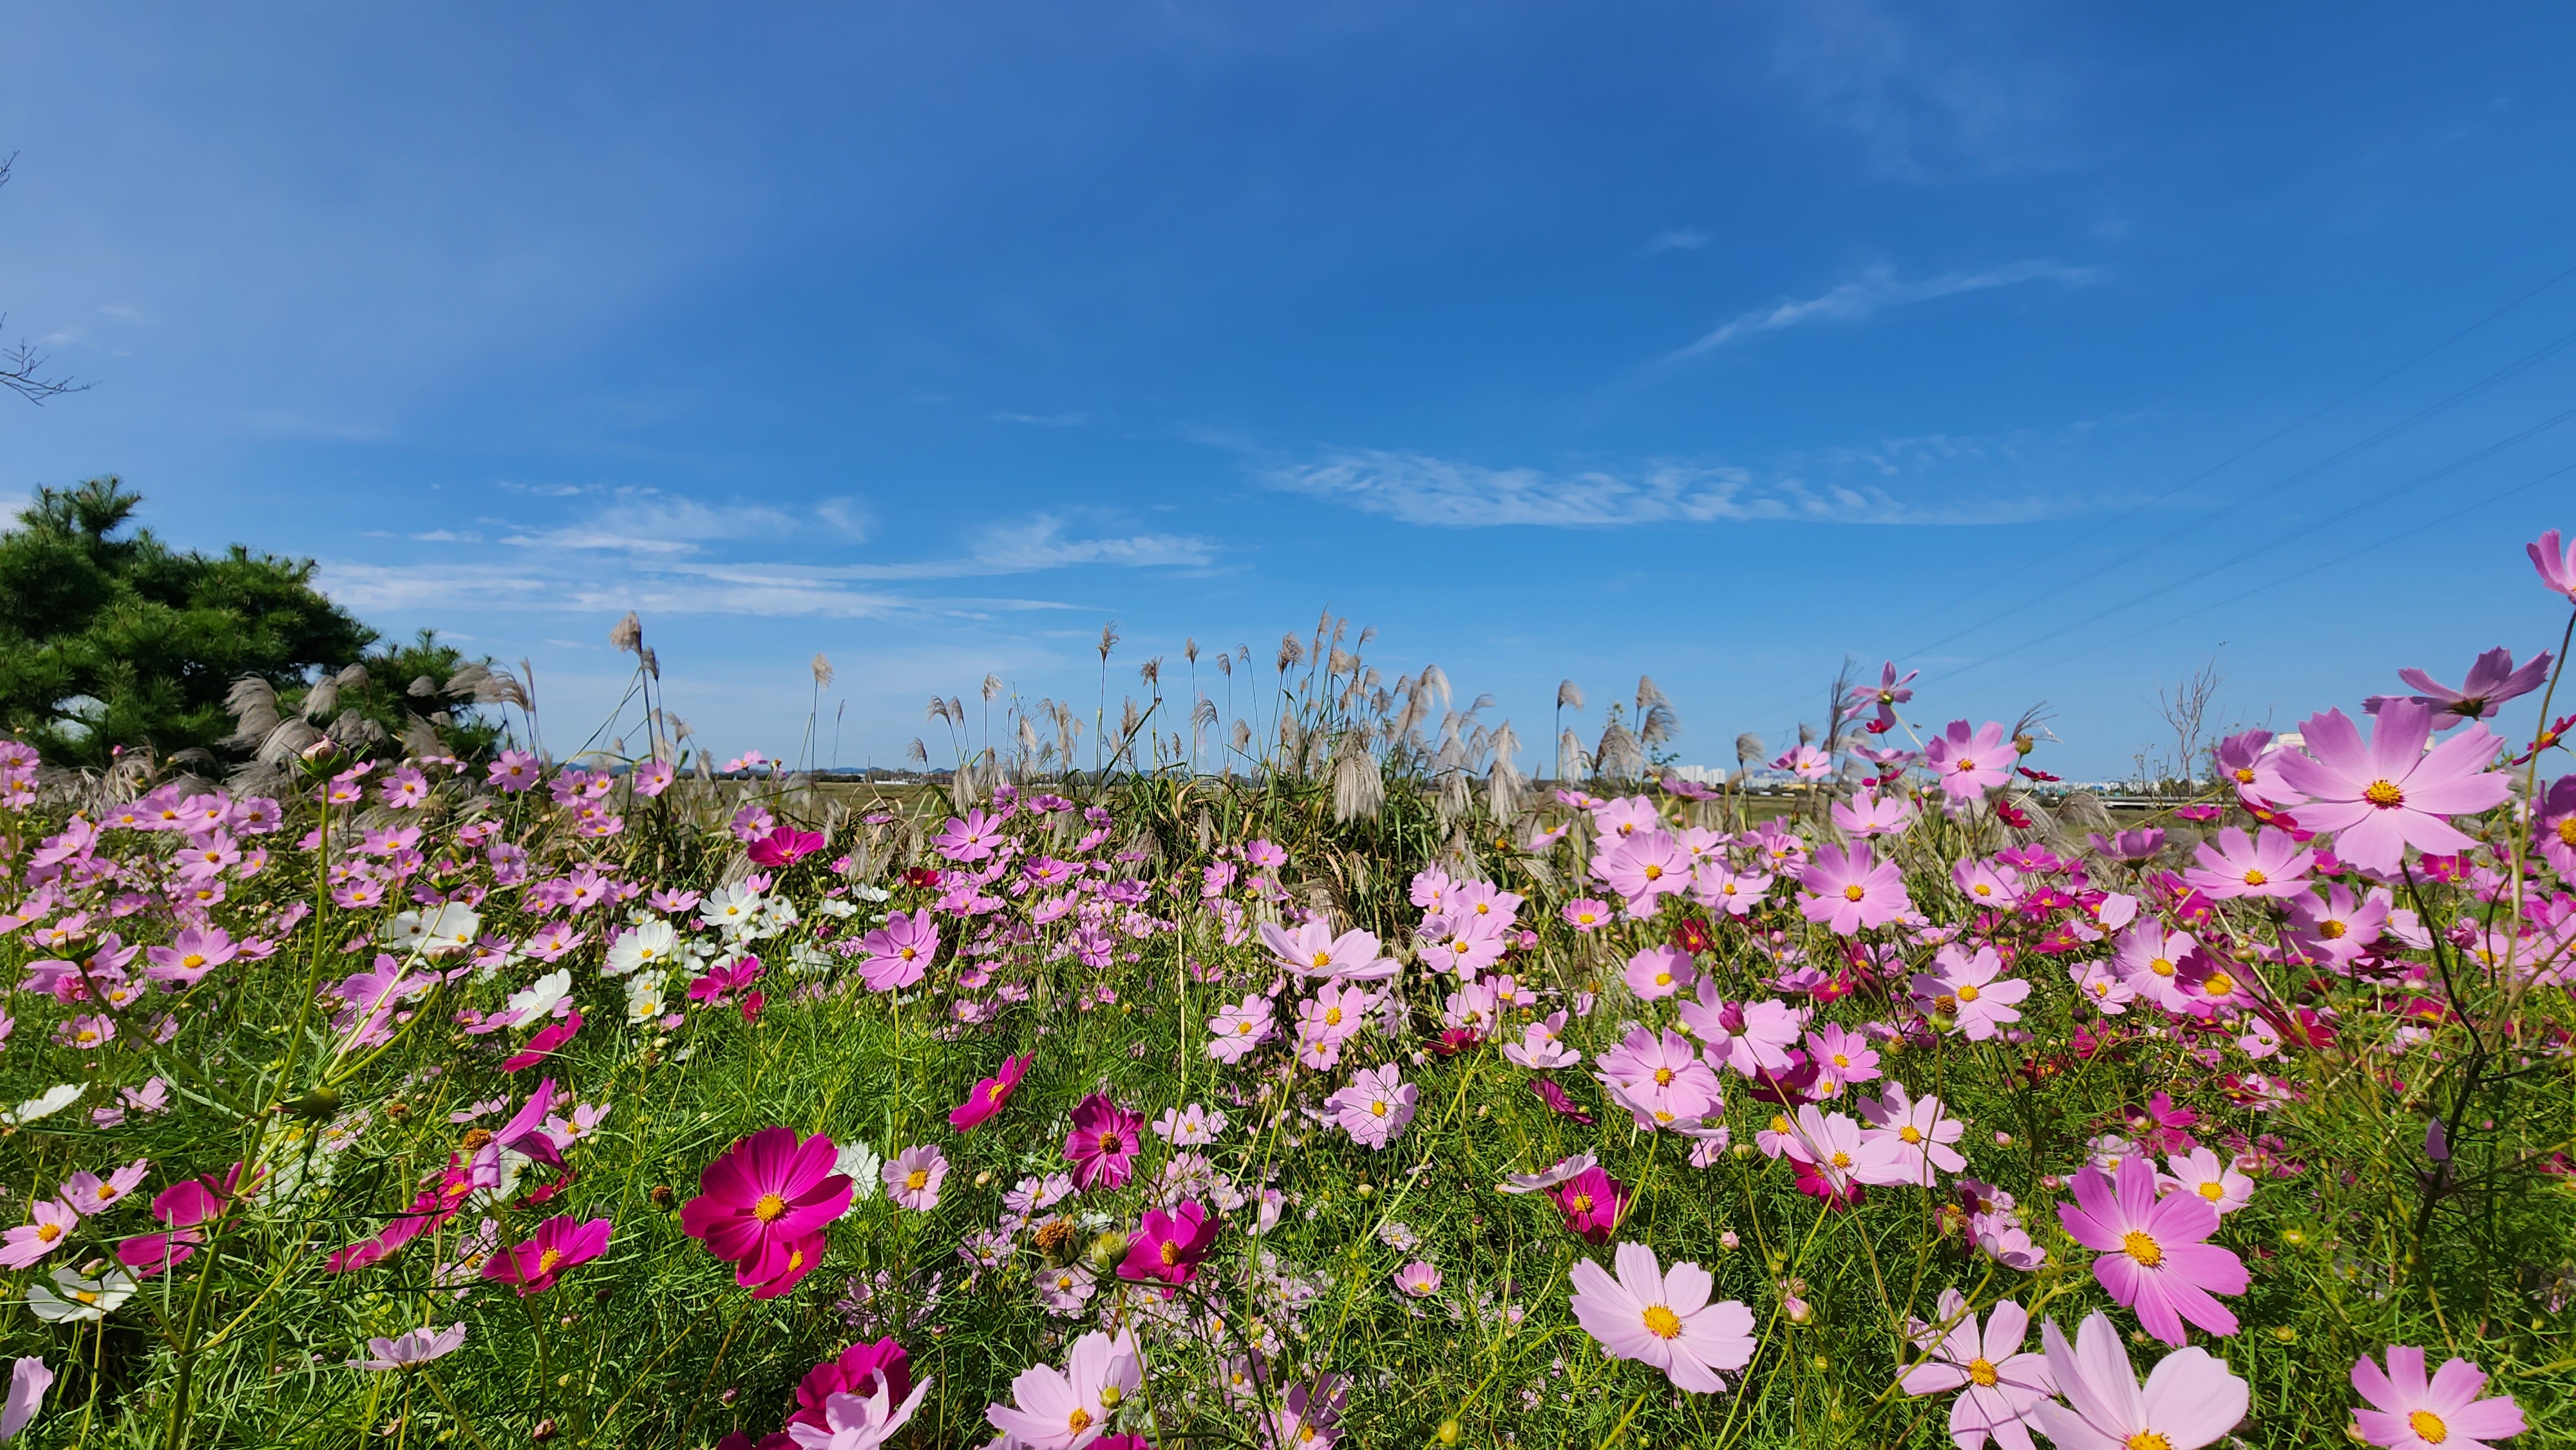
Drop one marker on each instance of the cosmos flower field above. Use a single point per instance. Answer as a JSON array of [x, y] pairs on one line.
[[1363, 1094]]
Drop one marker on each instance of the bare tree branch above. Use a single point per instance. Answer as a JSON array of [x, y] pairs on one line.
[[22, 369]]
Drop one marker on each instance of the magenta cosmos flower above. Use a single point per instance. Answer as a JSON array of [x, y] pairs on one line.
[[559, 1244], [2189, 1400], [764, 1198], [899, 952], [1170, 1246], [2492, 681], [2385, 795], [1102, 1146], [991, 1094], [2152, 1255], [1663, 1319], [1998, 1382], [1968, 764], [1591, 1202], [2446, 1414], [1851, 891]]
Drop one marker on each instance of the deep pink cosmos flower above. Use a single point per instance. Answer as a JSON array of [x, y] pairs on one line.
[[1663, 1319], [991, 1094], [543, 1045], [784, 847], [1554, 1096], [899, 952], [969, 839], [1102, 1146], [2385, 795], [1851, 891], [1591, 1201], [862, 1370], [1970, 764], [1886, 695], [2407, 1413], [2492, 681], [2153, 1258], [182, 1208], [560, 1244], [792, 1264], [2557, 566], [766, 1192], [1170, 1246]]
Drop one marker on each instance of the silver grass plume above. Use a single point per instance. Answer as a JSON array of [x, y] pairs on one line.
[[352, 678], [1656, 721], [1290, 652], [1433, 679], [822, 671], [1243, 736], [627, 634], [1108, 640], [1569, 696], [992, 688], [1618, 756], [1359, 785], [937, 710], [321, 700], [423, 688], [916, 752], [1503, 780], [1748, 748], [1190, 648], [652, 661], [1571, 763]]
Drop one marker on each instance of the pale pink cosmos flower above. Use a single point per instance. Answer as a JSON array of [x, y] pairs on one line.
[[1586, 914], [2492, 680], [2557, 566], [1662, 1077], [1966, 988], [1842, 1055], [1644, 868], [2213, 1179], [1998, 1382], [1842, 1153], [2153, 1257], [899, 953], [2409, 1413], [2268, 863], [53, 1222], [1375, 1107], [1720, 887], [1067, 1409], [1851, 891], [1658, 972], [1663, 1319], [1312, 950], [972, 838], [2382, 796], [1805, 762], [1240, 1028], [1327, 1020], [1541, 1047], [412, 1347], [1418, 1280], [2189, 1400], [2151, 958], [1987, 884], [912, 1180], [1922, 1133], [853, 1422], [2336, 928], [1970, 764], [1627, 816], [2101, 984], [1869, 815], [93, 1195]]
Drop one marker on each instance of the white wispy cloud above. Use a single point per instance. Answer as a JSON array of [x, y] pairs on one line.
[[1930, 91], [1045, 420], [1419, 488], [1874, 290], [1679, 239]]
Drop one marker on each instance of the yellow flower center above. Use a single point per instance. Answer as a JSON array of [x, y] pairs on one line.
[[2161, 966], [1109, 1142], [2219, 985], [1377, 1109], [547, 1260], [770, 1209], [2213, 1190], [193, 960], [2146, 1440], [1779, 1124], [1323, 959], [1663, 979], [2428, 1427], [1332, 1016], [2567, 830], [1171, 1253], [1982, 889], [2244, 775], [1243, 1029], [2255, 878], [1078, 1421], [2137, 1245], [1965, 764], [1663, 1077], [2383, 794], [1982, 1371], [1663, 1322], [2334, 930], [1654, 872], [48, 1232], [1910, 1133], [1967, 991], [917, 1180], [1582, 1203], [1841, 1061], [1853, 892]]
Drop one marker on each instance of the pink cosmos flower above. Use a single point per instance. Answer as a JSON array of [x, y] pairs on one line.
[[1966, 989], [970, 839], [1662, 1077], [2557, 566], [1805, 762], [93, 1195], [2152, 1255], [1313, 951], [513, 771], [1886, 695], [1240, 1028], [1851, 892], [559, 1244], [861, 1370], [2385, 795], [1586, 914], [1663, 1319], [1591, 1201], [2189, 1400], [1071, 1408], [1541, 1046], [763, 1195], [654, 777], [990, 1095], [412, 1347], [543, 1045], [1868, 815], [1842, 1055], [51, 1228], [194, 952], [1170, 1246], [1644, 868], [2492, 681], [1418, 1280], [1836, 1157], [1327, 1020], [2269, 863], [1921, 1133], [784, 846], [1998, 1382], [853, 1422], [1554, 1096], [2150, 958], [1747, 1037], [899, 952], [2409, 1414], [1658, 972], [912, 1180], [2213, 1179], [1969, 765], [1103, 1144], [1375, 1108], [1720, 887]]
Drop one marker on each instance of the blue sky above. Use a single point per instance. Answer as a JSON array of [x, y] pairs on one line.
[[2051, 350]]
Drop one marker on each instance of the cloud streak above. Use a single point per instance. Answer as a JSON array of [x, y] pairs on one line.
[[1419, 488], [1874, 290]]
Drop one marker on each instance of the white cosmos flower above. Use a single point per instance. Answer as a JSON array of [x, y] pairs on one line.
[[651, 945], [80, 1299], [539, 997], [449, 928], [731, 909], [55, 1099], [863, 1166]]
